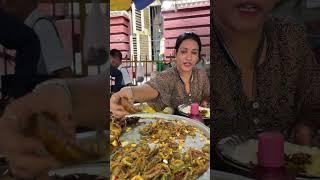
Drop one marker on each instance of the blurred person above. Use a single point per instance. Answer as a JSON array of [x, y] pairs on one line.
[[116, 78], [52, 61], [265, 74], [116, 61], [15, 35], [69, 101]]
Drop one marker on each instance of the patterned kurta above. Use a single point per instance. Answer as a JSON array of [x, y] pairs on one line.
[[172, 91], [288, 84]]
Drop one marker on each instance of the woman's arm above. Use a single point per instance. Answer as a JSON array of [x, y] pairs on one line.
[[133, 94], [144, 93], [89, 100], [16, 35]]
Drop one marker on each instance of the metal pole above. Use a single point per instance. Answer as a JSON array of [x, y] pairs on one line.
[[146, 67], [72, 38], [83, 14]]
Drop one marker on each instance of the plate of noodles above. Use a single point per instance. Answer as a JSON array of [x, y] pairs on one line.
[[160, 146]]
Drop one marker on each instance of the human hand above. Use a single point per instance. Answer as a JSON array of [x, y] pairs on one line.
[[27, 156], [121, 103], [303, 135], [205, 104]]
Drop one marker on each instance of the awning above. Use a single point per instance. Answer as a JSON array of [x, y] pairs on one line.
[[124, 5], [120, 5]]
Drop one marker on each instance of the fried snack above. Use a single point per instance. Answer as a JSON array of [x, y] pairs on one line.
[[115, 132], [129, 107], [44, 126], [203, 113], [116, 128], [146, 108], [298, 161], [314, 167]]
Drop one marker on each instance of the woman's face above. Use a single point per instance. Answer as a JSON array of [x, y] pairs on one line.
[[187, 55], [243, 15]]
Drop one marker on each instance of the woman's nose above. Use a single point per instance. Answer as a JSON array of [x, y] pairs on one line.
[[189, 55]]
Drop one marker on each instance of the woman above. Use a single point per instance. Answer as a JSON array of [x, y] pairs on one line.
[[182, 84], [75, 102], [264, 74]]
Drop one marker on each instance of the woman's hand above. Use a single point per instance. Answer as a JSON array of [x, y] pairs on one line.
[[303, 135], [204, 103], [27, 155], [116, 102]]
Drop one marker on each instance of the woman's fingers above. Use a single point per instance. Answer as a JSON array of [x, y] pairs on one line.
[[204, 103], [120, 112], [116, 107]]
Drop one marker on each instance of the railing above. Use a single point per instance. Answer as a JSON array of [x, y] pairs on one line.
[[140, 71]]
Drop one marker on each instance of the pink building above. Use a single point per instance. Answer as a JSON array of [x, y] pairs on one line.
[[189, 17], [120, 33]]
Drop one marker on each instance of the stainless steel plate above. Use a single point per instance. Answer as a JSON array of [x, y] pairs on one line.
[[96, 167], [134, 136], [227, 146], [184, 113]]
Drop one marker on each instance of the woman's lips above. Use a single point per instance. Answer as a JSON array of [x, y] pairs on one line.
[[187, 64], [248, 9]]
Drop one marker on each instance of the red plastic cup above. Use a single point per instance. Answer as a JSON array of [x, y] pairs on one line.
[[271, 149], [194, 109]]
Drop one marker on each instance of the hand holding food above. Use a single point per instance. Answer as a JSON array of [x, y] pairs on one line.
[[27, 156], [44, 126], [121, 103]]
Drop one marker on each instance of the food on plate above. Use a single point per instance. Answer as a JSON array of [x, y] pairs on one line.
[[146, 108], [115, 132], [116, 128], [160, 153], [302, 159], [44, 126], [128, 106], [204, 112], [298, 161], [314, 167]]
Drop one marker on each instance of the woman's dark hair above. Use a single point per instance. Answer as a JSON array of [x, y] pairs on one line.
[[185, 36]]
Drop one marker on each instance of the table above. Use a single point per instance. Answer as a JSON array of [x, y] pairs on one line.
[[220, 175], [219, 165]]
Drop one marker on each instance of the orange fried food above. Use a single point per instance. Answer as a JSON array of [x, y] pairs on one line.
[[128, 106], [44, 126]]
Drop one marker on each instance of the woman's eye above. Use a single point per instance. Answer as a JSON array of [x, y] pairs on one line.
[[194, 53]]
